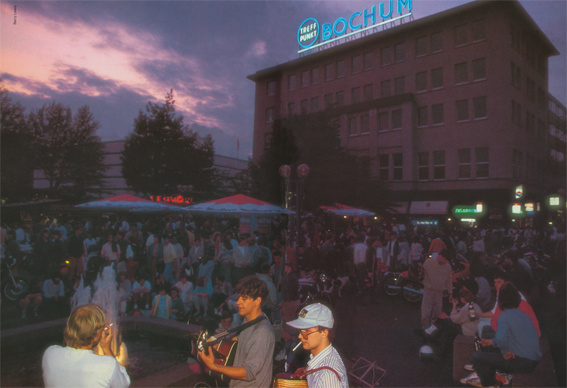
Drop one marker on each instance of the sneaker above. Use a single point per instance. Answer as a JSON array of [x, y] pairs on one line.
[[469, 367], [475, 382], [472, 376], [503, 378]]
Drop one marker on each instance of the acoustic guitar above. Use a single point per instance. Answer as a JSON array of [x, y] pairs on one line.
[[225, 351]]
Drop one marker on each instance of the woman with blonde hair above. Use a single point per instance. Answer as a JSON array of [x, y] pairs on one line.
[[76, 365]]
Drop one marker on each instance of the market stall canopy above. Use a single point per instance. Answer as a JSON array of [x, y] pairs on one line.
[[349, 211], [128, 202], [237, 204]]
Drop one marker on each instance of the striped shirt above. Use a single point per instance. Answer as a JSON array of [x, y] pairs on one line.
[[326, 378]]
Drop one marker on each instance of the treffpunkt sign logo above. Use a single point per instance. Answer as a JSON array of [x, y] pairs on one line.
[[311, 34]]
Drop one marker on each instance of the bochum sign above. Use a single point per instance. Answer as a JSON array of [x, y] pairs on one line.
[[311, 34]]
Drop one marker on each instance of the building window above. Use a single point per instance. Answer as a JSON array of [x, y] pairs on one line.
[[423, 166], [364, 123], [386, 88], [355, 95], [461, 35], [397, 119], [479, 107], [438, 164], [421, 81], [399, 52], [400, 85], [305, 78], [270, 115], [304, 106], [368, 60], [478, 30], [516, 75], [461, 73], [315, 75], [530, 89], [290, 108], [464, 163], [368, 92], [436, 42], [356, 64], [437, 78], [397, 167], [530, 123], [340, 98], [478, 69], [422, 118], [329, 71], [462, 108], [271, 88], [384, 168], [267, 139], [481, 155], [341, 68], [314, 104], [541, 98], [291, 82], [540, 128], [328, 100], [517, 160], [383, 121], [352, 126], [437, 114], [516, 113], [421, 46], [385, 56]]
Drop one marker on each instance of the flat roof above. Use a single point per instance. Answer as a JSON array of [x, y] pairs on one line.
[[477, 5]]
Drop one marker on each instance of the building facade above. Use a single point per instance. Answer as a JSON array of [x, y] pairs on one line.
[[452, 107]]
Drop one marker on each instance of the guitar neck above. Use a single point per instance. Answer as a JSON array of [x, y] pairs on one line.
[[212, 340]]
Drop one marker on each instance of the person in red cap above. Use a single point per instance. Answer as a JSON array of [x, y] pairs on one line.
[[325, 368]]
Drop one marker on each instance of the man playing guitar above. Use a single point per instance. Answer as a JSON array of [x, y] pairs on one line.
[[254, 354], [315, 323]]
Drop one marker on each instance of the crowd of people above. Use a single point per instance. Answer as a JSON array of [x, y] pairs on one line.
[[189, 268]]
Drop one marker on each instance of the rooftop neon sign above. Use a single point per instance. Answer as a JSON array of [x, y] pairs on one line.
[[312, 34]]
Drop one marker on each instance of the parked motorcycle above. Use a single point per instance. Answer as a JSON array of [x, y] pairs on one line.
[[13, 287], [317, 287], [406, 283]]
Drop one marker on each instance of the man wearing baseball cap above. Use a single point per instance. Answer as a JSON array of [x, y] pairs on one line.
[[325, 368]]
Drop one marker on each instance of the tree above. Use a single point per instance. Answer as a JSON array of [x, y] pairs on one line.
[[67, 151], [335, 175], [16, 150], [163, 153]]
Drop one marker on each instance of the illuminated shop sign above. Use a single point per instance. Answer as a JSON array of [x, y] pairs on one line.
[[424, 222], [469, 211], [312, 34], [517, 209], [519, 192], [175, 200]]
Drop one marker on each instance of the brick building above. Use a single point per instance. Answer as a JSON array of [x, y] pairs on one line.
[[452, 107]]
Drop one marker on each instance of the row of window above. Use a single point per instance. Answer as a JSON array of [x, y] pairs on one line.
[[471, 164], [426, 44], [523, 42], [534, 125], [531, 87], [527, 169]]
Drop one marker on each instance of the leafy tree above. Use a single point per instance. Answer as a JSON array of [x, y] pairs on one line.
[[335, 175], [163, 153], [16, 150], [67, 151]]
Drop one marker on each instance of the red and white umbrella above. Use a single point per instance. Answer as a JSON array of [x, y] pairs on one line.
[[128, 202], [237, 204]]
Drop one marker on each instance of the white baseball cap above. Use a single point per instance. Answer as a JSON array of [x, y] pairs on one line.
[[313, 315]]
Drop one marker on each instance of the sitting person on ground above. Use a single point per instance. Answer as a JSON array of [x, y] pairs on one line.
[[185, 288], [221, 291], [32, 299], [76, 365], [161, 306], [226, 322], [54, 294], [125, 292], [177, 307], [463, 320], [201, 296], [141, 290], [516, 339]]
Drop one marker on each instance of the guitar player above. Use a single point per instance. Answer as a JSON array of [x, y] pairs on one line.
[[254, 354], [325, 368]]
